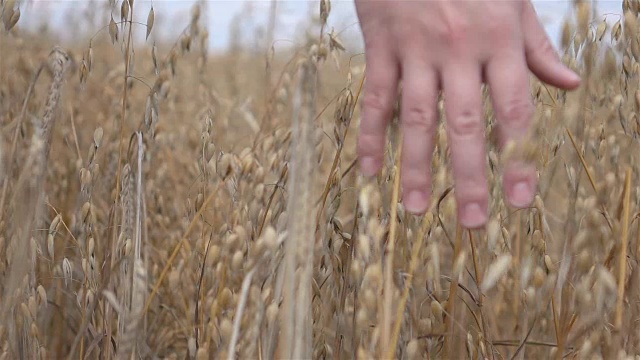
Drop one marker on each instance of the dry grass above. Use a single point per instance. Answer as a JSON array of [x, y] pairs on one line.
[[158, 201]]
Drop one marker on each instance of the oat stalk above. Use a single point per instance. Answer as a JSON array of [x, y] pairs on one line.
[[453, 289], [27, 197], [296, 325], [389, 288], [624, 244], [177, 249], [425, 227], [334, 165], [242, 303]]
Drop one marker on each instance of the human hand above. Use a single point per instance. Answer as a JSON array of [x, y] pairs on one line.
[[453, 46]]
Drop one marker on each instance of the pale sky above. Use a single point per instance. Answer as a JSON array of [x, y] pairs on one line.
[[173, 15]]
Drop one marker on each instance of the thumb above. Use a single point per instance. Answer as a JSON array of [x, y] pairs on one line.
[[542, 58]]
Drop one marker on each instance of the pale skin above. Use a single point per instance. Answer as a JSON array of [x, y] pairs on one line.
[[453, 46]]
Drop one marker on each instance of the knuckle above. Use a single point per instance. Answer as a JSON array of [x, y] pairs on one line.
[[416, 183], [420, 118], [467, 123], [455, 31], [369, 145], [502, 35], [500, 29], [372, 43], [474, 189], [413, 178], [377, 99], [517, 113], [544, 48]]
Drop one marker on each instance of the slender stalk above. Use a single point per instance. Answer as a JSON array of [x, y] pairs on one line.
[[388, 269], [14, 141], [176, 250], [480, 299], [336, 158], [622, 259], [123, 113], [244, 294], [453, 288]]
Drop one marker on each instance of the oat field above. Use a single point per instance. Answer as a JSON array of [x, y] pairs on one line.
[[161, 201]]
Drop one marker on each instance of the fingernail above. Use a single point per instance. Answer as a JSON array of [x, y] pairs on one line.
[[521, 194], [416, 201], [368, 166], [473, 215]]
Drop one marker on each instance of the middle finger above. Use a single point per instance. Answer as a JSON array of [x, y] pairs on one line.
[[465, 130]]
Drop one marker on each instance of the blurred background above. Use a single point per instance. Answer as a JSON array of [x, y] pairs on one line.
[[251, 16]]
